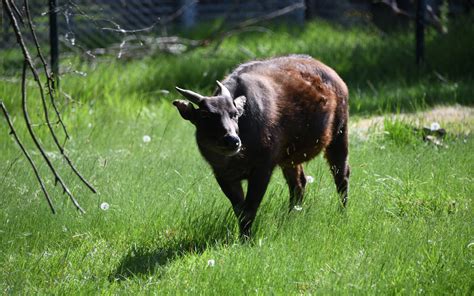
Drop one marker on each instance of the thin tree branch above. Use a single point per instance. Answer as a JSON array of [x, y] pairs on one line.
[[26, 116], [272, 15], [433, 19], [29, 62], [49, 82], [248, 25], [18, 13], [27, 155]]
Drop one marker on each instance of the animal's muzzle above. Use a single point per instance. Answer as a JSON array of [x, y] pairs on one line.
[[231, 142]]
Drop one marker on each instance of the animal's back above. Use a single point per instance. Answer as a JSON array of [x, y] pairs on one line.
[[301, 100]]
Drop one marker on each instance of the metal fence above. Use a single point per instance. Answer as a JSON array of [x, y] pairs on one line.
[[88, 24], [94, 27]]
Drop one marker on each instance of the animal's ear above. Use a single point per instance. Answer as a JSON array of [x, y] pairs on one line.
[[186, 109], [240, 104]]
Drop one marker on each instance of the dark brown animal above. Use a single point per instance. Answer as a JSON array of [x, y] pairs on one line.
[[282, 111]]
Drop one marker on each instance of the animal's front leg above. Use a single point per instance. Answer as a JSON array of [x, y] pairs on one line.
[[257, 185]]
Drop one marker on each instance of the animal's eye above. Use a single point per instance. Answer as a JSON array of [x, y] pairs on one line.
[[233, 115]]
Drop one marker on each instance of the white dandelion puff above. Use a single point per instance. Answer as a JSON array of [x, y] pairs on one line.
[[298, 208], [211, 262], [434, 126], [146, 139], [310, 179], [104, 206]]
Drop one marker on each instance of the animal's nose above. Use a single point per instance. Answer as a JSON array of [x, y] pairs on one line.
[[232, 142]]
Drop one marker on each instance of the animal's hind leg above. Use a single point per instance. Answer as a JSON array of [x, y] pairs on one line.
[[337, 156], [296, 180]]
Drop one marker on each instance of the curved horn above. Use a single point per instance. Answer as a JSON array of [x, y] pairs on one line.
[[190, 95], [224, 91]]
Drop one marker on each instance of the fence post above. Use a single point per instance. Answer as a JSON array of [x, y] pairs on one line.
[[188, 18], [420, 31], [300, 14], [53, 41]]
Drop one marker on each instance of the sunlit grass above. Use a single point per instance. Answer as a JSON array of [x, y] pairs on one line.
[[407, 230]]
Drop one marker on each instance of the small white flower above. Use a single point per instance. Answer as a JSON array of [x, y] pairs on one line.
[[310, 179], [211, 262], [104, 206], [298, 208], [434, 126], [146, 139]]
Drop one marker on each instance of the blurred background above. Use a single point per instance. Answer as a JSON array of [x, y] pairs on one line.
[[95, 27]]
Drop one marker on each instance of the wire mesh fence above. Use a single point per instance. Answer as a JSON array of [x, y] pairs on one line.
[[92, 24], [137, 27]]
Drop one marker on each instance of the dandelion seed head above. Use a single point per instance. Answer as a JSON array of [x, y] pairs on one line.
[[298, 208], [434, 126], [310, 179], [146, 139], [211, 262], [104, 206]]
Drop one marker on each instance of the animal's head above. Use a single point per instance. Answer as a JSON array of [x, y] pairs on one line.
[[216, 119]]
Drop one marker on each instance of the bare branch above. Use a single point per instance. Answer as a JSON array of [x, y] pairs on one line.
[[49, 82], [248, 25], [26, 116], [433, 19], [168, 19], [18, 13], [272, 15], [119, 29], [27, 155], [29, 62], [178, 12]]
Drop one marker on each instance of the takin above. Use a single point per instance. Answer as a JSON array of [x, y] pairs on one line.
[[281, 111]]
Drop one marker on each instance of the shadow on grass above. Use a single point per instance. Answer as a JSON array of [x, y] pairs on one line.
[[142, 261], [199, 234]]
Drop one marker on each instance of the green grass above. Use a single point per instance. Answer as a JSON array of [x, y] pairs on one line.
[[408, 228]]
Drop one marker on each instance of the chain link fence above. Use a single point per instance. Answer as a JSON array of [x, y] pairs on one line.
[[92, 24]]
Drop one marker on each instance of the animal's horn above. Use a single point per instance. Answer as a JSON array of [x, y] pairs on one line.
[[224, 91], [190, 95]]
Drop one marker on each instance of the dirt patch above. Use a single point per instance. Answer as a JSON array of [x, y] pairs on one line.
[[457, 119]]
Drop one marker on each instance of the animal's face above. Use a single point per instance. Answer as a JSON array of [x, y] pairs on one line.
[[216, 119]]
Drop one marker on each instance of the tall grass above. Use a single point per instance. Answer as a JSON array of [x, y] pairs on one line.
[[408, 228]]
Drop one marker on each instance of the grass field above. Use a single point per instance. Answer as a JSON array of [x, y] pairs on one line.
[[169, 229]]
